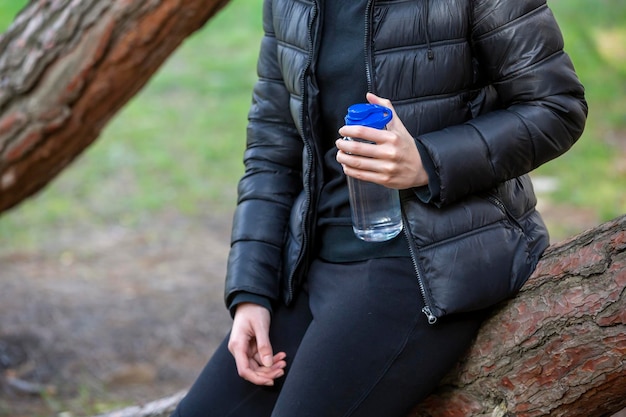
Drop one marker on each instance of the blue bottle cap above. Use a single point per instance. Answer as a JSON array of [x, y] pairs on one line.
[[367, 114]]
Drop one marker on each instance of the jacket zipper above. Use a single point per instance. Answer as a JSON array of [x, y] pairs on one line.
[[307, 144], [367, 42], [427, 310], [495, 200]]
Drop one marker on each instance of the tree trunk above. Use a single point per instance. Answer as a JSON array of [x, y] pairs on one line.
[[67, 66], [557, 349]]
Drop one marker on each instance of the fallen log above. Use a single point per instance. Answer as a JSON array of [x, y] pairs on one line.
[[558, 349], [158, 408]]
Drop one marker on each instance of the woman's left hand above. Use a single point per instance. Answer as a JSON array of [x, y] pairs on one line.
[[393, 161]]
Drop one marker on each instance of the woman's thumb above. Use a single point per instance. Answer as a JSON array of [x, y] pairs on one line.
[[264, 347], [374, 99]]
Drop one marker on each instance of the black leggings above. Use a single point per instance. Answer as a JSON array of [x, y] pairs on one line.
[[357, 345]]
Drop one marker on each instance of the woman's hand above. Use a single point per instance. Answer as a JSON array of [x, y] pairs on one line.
[[393, 162], [249, 344]]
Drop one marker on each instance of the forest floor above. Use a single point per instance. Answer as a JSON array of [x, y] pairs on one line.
[[99, 318]]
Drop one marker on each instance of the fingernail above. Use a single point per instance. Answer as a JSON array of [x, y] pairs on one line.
[[268, 361]]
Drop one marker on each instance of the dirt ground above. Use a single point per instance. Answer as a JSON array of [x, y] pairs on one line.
[[114, 315]]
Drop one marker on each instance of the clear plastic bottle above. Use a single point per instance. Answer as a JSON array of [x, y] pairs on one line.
[[376, 214]]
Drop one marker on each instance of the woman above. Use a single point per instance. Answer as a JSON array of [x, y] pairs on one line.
[[326, 324]]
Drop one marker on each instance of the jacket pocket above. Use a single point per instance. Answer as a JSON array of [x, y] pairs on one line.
[[293, 247], [476, 269], [477, 252]]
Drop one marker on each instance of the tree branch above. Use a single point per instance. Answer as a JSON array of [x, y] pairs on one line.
[[67, 67]]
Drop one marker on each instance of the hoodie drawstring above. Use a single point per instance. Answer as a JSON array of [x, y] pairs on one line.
[[431, 54]]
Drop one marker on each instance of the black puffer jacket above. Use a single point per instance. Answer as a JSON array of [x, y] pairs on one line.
[[486, 89]]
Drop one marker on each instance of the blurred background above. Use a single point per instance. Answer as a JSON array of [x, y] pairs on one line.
[[112, 274], [177, 146]]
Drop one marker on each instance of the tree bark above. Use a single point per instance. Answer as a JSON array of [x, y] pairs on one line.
[[67, 66], [557, 349]]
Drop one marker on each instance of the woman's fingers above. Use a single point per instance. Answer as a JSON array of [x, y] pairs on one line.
[[251, 348], [393, 160], [276, 370], [261, 331], [278, 360], [257, 373]]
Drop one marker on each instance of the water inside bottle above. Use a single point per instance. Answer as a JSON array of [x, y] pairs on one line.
[[376, 214], [380, 232]]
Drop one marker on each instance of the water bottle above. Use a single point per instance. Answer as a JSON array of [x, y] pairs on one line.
[[376, 215]]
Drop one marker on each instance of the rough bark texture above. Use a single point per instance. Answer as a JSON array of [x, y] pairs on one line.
[[67, 66], [558, 349]]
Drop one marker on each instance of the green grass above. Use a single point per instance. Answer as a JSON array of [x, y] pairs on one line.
[[8, 10], [177, 145]]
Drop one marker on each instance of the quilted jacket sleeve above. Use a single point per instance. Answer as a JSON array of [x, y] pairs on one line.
[[271, 181], [519, 47]]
